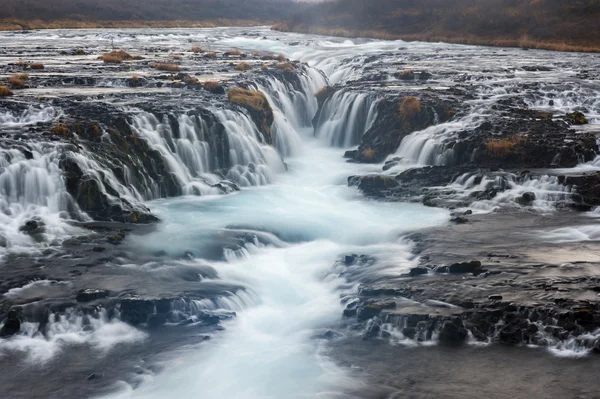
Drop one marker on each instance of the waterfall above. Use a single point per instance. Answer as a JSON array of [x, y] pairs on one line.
[[345, 117], [294, 106]]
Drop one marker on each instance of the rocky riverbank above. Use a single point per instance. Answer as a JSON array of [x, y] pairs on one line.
[[98, 141]]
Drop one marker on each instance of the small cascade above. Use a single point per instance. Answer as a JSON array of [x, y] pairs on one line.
[[429, 146], [252, 161], [29, 116], [71, 327], [183, 145], [501, 189], [294, 105], [345, 117]]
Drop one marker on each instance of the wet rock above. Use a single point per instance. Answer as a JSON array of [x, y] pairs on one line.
[[89, 295], [459, 220], [12, 324], [425, 76], [372, 309], [453, 333], [495, 297], [418, 271], [33, 227], [527, 198], [465, 267], [135, 310], [376, 185], [576, 118], [398, 117]]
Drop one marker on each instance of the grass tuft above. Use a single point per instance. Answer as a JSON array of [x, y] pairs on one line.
[[165, 67], [5, 91]]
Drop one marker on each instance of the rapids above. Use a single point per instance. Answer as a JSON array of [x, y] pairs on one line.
[[294, 211]]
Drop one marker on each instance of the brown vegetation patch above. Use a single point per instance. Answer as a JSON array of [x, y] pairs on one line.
[[243, 66], [5, 91], [214, 87], [285, 66], [16, 82], [249, 98], [501, 148], [197, 50], [61, 129], [211, 55], [36, 66], [116, 57], [165, 67], [407, 74], [232, 53], [190, 80], [258, 107]]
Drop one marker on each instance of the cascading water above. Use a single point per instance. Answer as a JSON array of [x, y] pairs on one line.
[[345, 117], [277, 241]]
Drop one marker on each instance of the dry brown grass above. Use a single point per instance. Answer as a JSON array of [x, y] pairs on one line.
[[22, 76], [16, 82], [281, 58], [210, 55], [232, 53], [166, 67], [36, 66], [367, 155], [408, 110], [211, 85], [243, 66], [5, 91], [407, 74], [409, 106], [116, 57], [250, 98], [285, 66], [197, 50], [109, 59], [61, 129], [499, 148], [190, 80], [264, 67], [214, 87]]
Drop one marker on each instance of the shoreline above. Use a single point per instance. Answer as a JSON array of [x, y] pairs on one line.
[[472, 40], [10, 24]]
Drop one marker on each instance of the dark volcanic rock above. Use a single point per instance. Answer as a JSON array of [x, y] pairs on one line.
[[397, 118], [576, 118], [376, 186], [465, 267], [89, 295], [453, 332], [12, 324]]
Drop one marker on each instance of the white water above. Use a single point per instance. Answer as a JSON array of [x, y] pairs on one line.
[[67, 330], [267, 351], [293, 291]]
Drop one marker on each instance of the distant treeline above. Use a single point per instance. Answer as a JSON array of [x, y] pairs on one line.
[[147, 10], [560, 24]]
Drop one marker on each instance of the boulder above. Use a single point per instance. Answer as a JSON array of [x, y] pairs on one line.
[[576, 118], [465, 267], [89, 295], [453, 332], [12, 324]]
